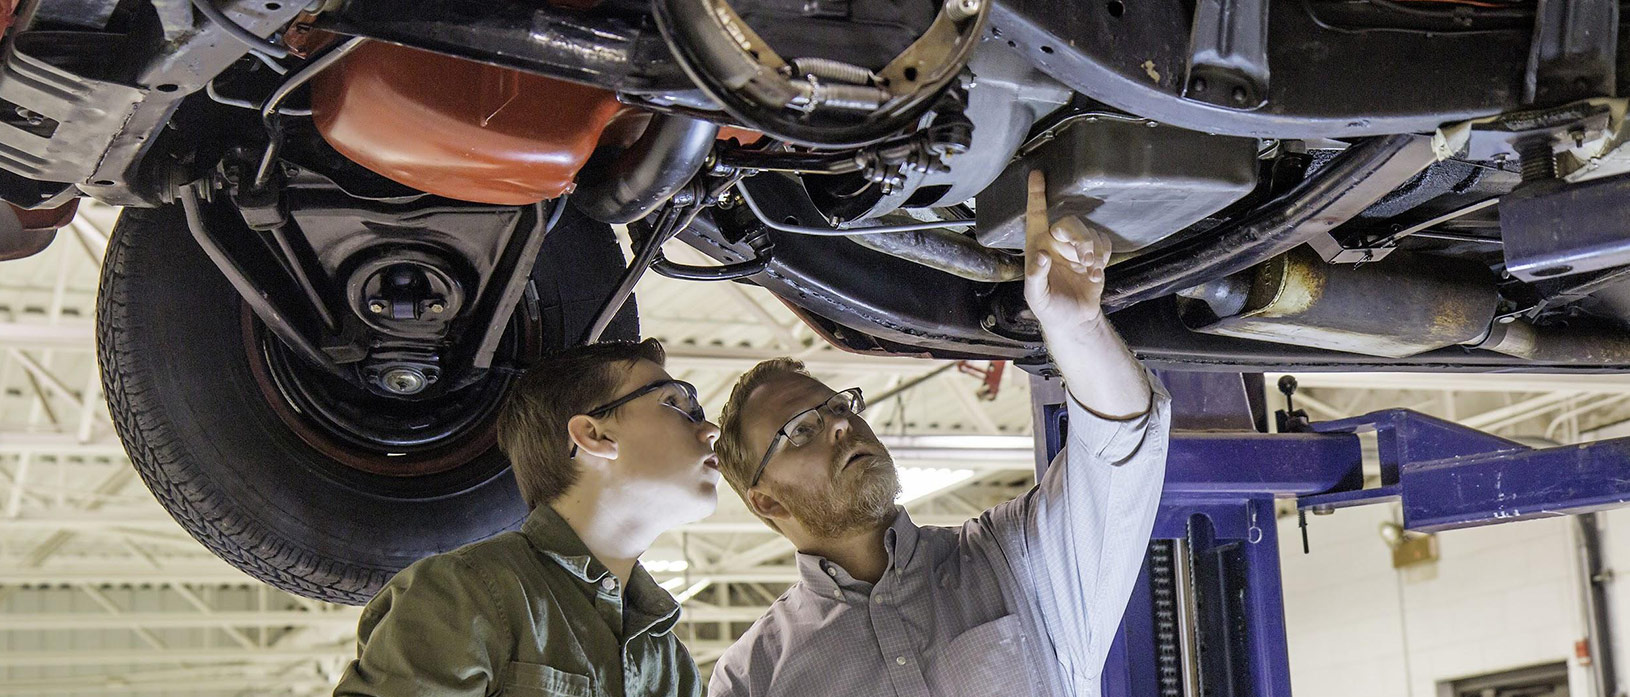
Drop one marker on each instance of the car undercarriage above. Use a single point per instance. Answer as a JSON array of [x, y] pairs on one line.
[[387, 208]]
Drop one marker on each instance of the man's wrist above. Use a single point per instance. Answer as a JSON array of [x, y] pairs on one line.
[[1075, 330]]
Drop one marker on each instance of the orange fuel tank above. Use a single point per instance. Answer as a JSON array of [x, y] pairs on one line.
[[458, 128]]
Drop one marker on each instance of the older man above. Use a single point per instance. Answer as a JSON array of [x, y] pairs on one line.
[[1024, 599]]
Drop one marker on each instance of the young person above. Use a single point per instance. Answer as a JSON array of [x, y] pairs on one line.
[[609, 452], [1025, 599]]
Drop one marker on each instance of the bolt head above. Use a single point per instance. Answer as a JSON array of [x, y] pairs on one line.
[[437, 308], [403, 381], [377, 307]]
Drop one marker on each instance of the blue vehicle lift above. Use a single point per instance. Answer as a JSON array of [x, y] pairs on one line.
[[1207, 615]]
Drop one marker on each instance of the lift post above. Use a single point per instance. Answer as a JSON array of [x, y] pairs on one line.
[[1207, 614]]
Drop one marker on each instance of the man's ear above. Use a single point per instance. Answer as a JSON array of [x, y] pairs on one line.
[[589, 437], [767, 505]]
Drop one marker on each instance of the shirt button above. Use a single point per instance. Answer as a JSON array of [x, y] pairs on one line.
[[608, 583], [831, 572], [877, 598], [838, 594], [900, 660]]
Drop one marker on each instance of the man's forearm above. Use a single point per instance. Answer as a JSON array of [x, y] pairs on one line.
[[1098, 369]]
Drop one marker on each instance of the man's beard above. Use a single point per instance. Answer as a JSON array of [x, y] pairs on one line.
[[851, 502]]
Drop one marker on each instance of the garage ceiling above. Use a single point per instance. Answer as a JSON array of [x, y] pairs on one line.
[[101, 593]]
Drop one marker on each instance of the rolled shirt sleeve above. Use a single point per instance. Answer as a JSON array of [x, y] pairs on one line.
[[725, 682], [1087, 526], [433, 630]]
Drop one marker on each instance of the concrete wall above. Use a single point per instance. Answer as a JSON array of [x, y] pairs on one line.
[[1498, 598]]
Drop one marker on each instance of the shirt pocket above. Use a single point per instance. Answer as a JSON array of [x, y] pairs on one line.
[[538, 680], [989, 659]]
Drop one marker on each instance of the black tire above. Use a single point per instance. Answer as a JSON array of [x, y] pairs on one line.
[[205, 439]]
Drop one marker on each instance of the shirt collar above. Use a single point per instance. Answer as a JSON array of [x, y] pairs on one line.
[[900, 540], [827, 579], [649, 606], [557, 541]]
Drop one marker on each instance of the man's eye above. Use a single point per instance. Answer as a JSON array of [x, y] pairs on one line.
[[803, 429]]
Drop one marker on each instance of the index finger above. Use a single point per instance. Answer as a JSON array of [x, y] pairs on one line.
[[1035, 212]]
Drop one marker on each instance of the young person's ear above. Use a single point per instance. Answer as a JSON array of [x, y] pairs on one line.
[[767, 505], [588, 435]]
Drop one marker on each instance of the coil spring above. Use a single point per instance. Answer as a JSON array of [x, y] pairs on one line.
[[835, 71]]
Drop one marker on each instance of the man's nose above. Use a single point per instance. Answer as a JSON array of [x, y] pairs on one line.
[[710, 433], [840, 425]]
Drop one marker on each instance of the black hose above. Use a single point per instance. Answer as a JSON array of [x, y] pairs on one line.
[[236, 31], [670, 221], [728, 272], [795, 162], [627, 186]]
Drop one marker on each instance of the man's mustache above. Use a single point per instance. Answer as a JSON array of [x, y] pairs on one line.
[[854, 444]]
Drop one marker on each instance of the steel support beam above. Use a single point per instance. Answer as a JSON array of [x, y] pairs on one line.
[[74, 657], [194, 573], [1448, 476], [73, 335]]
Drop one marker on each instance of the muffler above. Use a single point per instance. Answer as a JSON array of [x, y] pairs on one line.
[[1403, 305]]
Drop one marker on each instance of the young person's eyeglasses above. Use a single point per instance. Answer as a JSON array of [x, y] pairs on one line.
[[804, 426], [678, 395], [681, 399]]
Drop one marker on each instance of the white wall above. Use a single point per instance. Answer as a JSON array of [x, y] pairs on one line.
[[1499, 597], [1616, 550]]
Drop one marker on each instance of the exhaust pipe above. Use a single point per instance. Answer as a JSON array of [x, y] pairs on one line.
[[1404, 305], [625, 186]]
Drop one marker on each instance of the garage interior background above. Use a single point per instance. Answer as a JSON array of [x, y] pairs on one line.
[[102, 594]]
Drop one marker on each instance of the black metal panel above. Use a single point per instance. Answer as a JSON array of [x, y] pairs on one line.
[[1574, 51], [1228, 53], [107, 121], [1327, 82], [851, 285], [621, 53]]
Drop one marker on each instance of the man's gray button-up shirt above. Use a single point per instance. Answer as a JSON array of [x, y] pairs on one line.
[[1024, 599]]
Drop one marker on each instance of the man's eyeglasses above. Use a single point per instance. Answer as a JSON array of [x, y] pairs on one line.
[[809, 423], [679, 396]]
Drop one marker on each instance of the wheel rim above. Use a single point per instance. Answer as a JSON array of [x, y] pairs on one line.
[[375, 434]]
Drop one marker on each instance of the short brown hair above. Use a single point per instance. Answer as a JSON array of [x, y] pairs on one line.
[[735, 461], [532, 422]]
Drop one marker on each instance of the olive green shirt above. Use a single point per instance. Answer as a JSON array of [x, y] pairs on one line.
[[525, 613]]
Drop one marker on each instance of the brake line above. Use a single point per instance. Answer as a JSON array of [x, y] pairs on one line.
[[236, 31], [268, 111], [773, 224]]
